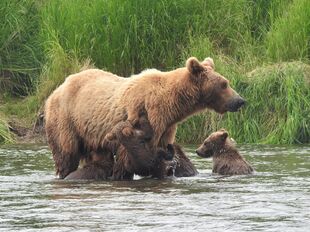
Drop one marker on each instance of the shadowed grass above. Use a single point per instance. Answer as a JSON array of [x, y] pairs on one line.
[[5, 135]]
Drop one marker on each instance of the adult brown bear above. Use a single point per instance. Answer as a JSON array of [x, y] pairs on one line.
[[87, 106]]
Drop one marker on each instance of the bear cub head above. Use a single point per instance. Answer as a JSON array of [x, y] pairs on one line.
[[214, 144], [144, 159]]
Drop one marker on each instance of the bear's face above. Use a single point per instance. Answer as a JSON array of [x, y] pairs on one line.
[[145, 159], [135, 140], [214, 89], [215, 142]]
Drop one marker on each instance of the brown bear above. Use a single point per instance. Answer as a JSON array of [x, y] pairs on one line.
[[81, 111], [137, 157], [96, 168], [226, 158], [184, 167], [179, 166]]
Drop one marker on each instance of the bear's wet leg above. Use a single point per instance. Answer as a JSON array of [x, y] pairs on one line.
[[65, 163], [168, 136], [105, 159], [120, 171]]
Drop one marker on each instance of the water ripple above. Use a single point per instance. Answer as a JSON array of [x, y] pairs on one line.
[[275, 198]]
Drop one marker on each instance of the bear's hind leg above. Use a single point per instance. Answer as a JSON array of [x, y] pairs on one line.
[[65, 164], [68, 153]]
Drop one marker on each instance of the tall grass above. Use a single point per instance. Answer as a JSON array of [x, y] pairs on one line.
[[289, 36], [5, 135], [277, 111], [20, 56], [42, 42]]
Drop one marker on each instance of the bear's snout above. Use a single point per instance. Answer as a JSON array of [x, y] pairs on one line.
[[235, 104], [198, 152]]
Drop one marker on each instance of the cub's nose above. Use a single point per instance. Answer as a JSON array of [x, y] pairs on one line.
[[198, 153]]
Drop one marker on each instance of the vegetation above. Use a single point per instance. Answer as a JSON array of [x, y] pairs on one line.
[[262, 46], [5, 135]]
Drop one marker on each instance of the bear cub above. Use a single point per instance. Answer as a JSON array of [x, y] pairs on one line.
[[226, 158], [136, 154]]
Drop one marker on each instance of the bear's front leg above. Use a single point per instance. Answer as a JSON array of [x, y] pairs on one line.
[[120, 171], [165, 137]]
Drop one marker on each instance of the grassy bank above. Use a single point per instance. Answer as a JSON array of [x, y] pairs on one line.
[[5, 135], [44, 41], [277, 110]]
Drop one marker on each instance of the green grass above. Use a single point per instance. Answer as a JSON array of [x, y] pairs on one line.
[[42, 42], [5, 135], [277, 110], [20, 56], [288, 38]]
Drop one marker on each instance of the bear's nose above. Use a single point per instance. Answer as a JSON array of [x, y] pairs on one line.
[[235, 104], [240, 102]]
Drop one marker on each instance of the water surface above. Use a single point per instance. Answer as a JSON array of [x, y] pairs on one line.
[[276, 198]]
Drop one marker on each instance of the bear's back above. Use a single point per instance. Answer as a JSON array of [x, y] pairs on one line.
[[231, 163]]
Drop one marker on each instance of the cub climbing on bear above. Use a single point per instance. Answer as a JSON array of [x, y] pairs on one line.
[[89, 104], [137, 157], [226, 158]]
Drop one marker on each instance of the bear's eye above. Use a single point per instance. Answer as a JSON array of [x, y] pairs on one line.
[[224, 85], [142, 142]]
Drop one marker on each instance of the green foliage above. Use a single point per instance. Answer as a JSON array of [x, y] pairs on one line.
[[58, 67], [5, 136], [20, 56], [277, 110], [42, 42], [289, 36]]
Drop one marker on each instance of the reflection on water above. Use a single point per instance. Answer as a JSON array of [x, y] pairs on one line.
[[276, 198]]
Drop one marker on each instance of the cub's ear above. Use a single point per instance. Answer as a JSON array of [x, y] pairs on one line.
[[127, 132], [110, 136], [224, 135], [208, 62], [194, 66]]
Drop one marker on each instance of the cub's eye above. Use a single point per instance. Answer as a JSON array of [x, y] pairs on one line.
[[142, 142], [224, 85]]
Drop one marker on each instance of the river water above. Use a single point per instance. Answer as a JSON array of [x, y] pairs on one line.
[[276, 198]]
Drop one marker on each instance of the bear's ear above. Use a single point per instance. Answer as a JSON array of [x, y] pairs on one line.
[[127, 132], [110, 136], [194, 66], [224, 135], [208, 62]]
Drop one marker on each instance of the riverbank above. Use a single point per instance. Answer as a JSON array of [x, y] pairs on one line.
[[261, 47]]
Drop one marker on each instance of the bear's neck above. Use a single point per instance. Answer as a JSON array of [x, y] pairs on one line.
[[227, 151], [184, 96]]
